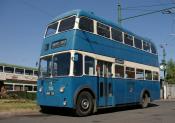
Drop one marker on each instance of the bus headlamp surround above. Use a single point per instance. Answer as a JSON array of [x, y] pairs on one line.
[[62, 89]]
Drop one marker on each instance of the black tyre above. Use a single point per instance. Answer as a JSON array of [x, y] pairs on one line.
[[145, 100], [44, 109], [84, 104]]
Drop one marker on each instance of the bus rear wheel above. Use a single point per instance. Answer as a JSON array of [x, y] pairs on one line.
[[84, 104], [145, 100]]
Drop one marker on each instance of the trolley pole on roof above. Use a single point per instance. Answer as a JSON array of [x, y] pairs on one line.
[[119, 19]]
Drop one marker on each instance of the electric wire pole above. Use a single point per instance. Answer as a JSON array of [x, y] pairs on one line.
[[119, 13]]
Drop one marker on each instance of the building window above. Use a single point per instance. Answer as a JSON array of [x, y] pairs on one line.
[[117, 35], [36, 73], [119, 71], [89, 65], [35, 88], [128, 39], [1, 68], [155, 75], [67, 24], [28, 72], [146, 46], [78, 64], [51, 29], [130, 72], [138, 43], [28, 87], [148, 75], [86, 24], [18, 88], [9, 87], [19, 71], [103, 30], [9, 69], [139, 74]]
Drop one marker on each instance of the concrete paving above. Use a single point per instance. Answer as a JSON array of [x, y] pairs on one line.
[[158, 112]]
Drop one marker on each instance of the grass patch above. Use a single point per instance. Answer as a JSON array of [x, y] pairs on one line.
[[18, 104]]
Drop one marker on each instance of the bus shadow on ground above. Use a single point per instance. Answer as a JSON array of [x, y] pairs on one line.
[[71, 113], [122, 108]]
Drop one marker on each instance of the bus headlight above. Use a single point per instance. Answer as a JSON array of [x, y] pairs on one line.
[[62, 89], [40, 89]]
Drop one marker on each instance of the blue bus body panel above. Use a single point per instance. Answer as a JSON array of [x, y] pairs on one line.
[[85, 41], [124, 91]]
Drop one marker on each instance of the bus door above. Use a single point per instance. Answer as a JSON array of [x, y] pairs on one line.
[[105, 83]]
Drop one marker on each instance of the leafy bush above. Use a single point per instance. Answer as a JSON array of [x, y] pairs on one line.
[[21, 95]]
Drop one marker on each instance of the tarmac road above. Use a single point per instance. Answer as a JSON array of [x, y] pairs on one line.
[[158, 112]]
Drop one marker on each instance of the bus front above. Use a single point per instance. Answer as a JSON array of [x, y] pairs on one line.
[[61, 69]]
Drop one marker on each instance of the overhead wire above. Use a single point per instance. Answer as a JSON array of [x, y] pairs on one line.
[[36, 8]]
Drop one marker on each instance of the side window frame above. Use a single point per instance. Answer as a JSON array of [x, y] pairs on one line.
[[106, 27], [128, 35], [87, 19]]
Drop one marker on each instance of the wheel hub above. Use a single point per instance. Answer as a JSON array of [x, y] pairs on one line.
[[85, 104]]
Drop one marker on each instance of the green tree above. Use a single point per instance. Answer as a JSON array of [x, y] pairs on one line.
[[170, 72]]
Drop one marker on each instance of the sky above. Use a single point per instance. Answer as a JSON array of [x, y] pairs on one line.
[[23, 22]]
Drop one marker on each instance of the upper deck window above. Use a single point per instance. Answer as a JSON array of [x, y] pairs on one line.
[[117, 35], [128, 39], [146, 46], [51, 29], [138, 43], [153, 49], [86, 24], [67, 24], [103, 30]]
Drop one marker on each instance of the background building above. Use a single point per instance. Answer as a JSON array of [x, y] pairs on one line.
[[18, 78]]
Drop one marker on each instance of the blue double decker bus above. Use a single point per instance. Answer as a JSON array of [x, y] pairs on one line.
[[88, 63]]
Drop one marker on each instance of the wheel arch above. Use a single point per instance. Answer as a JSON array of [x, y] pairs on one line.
[[81, 89], [143, 92]]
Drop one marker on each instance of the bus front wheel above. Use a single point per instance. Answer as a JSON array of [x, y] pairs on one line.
[[84, 104], [145, 100]]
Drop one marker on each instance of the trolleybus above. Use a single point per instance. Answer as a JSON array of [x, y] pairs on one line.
[[88, 63]]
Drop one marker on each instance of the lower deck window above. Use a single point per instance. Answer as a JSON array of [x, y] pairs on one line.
[[61, 64], [155, 75], [89, 66], [148, 75], [139, 74], [130, 72], [78, 64], [119, 71]]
